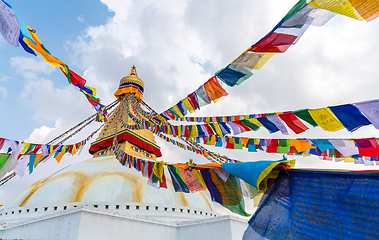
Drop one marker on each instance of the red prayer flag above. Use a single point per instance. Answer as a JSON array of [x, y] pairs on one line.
[[230, 144], [273, 147], [35, 150], [192, 100], [292, 151], [243, 126], [293, 122], [2, 140], [76, 79], [274, 42], [162, 182]]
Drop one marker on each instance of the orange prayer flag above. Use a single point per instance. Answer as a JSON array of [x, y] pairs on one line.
[[301, 145], [213, 89]]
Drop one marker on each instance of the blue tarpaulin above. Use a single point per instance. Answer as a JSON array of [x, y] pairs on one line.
[[318, 205]]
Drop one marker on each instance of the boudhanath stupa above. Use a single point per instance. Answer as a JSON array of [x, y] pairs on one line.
[[101, 199]]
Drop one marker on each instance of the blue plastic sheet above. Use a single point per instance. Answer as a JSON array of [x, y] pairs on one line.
[[318, 205]]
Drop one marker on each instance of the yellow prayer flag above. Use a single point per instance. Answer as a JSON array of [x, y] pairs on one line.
[[39, 48], [199, 177], [348, 159], [188, 105], [179, 128], [264, 60], [177, 110], [92, 89], [326, 119], [158, 169], [252, 60], [194, 132], [342, 7], [169, 132], [25, 148], [368, 10], [255, 121], [217, 129]]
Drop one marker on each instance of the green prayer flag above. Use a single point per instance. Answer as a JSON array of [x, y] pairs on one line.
[[233, 187], [30, 149], [3, 159], [171, 110], [249, 124], [283, 146], [295, 9], [306, 116], [238, 143]]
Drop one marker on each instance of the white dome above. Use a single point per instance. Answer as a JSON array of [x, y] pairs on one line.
[[103, 181]]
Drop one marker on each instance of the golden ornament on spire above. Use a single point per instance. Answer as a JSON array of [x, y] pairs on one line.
[[130, 84]]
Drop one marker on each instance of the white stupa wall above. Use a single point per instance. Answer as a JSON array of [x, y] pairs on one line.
[[91, 223]]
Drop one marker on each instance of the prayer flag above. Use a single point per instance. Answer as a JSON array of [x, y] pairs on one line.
[[325, 118], [371, 110], [9, 24], [350, 116], [293, 122]]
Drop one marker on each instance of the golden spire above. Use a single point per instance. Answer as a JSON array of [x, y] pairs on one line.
[[129, 84], [133, 71]]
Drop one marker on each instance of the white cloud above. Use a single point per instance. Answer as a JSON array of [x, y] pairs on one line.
[[39, 134], [30, 66]]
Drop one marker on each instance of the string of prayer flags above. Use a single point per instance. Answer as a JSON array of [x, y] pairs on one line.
[[325, 148], [223, 187], [15, 31], [333, 118], [190, 177], [31, 154], [286, 33], [195, 148], [204, 95], [72, 77]]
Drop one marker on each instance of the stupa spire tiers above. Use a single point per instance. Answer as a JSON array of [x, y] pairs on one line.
[[138, 143], [130, 84]]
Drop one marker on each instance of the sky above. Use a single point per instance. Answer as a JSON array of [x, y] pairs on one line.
[[176, 46]]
